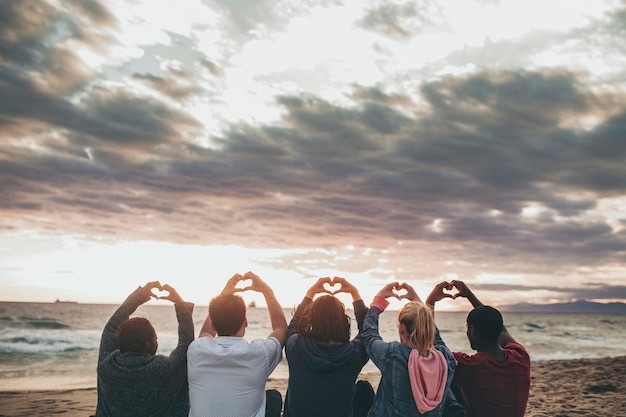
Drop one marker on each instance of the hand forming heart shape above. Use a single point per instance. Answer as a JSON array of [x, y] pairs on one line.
[[159, 293], [243, 283], [333, 287], [399, 291]]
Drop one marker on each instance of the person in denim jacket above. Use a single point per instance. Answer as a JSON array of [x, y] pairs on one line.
[[417, 371]]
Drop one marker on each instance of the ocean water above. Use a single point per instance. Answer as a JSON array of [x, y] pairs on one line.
[[55, 345]]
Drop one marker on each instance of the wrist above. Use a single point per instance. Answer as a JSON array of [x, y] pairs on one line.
[[380, 303]]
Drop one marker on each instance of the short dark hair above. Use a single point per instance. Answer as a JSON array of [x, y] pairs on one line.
[[487, 321], [133, 335], [325, 319], [227, 312]]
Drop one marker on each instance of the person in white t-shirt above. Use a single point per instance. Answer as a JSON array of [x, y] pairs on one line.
[[226, 373]]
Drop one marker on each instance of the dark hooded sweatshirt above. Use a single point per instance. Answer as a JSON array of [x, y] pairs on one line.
[[322, 376]]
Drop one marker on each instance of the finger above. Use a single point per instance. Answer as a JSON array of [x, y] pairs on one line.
[[251, 275]]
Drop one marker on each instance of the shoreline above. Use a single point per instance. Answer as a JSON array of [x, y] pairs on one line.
[[582, 387]]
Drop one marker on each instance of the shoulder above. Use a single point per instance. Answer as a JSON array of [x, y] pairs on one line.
[[517, 351], [270, 343], [445, 351], [462, 356], [201, 343]]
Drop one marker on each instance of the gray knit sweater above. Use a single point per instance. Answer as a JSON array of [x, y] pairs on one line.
[[143, 385]]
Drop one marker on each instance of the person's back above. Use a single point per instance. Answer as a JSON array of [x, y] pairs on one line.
[[416, 373], [323, 362], [493, 387], [227, 374], [132, 380], [495, 381]]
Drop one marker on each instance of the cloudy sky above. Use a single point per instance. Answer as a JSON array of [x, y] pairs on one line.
[[375, 140]]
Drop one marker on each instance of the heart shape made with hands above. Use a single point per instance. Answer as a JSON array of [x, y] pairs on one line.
[[400, 292], [159, 293], [333, 287], [453, 296], [448, 290], [243, 283]]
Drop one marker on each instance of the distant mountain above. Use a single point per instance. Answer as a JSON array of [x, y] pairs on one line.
[[576, 307]]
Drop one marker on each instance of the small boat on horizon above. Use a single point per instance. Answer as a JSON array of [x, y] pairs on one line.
[[57, 301]]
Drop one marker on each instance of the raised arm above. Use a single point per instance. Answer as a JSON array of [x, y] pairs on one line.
[[184, 315], [207, 329], [277, 315], [465, 292], [316, 288], [360, 310], [438, 294], [375, 347], [108, 342]]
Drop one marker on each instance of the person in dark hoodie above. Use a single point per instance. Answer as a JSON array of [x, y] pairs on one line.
[[323, 362], [417, 371], [132, 380]]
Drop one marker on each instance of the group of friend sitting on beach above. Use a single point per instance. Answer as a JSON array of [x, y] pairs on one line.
[[220, 374]]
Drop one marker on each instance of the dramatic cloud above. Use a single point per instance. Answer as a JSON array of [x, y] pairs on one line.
[[491, 161]]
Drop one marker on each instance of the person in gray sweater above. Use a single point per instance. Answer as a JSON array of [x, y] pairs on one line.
[[132, 379]]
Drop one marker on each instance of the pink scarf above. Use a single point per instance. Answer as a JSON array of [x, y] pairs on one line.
[[428, 375]]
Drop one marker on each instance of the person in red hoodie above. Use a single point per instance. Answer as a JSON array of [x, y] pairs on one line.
[[495, 381]]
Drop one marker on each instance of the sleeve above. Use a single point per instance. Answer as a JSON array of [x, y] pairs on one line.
[[184, 313], [376, 348], [293, 324], [108, 342], [360, 311], [292, 330], [274, 353], [438, 340]]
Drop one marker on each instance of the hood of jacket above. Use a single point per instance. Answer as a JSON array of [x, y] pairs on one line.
[[317, 355]]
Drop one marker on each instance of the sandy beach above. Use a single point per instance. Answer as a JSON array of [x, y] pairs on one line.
[[578, 387]]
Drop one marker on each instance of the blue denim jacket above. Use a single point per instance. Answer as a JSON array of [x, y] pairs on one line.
[[394, 397]]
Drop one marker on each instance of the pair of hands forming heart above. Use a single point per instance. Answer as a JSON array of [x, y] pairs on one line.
[[332, 286], [399, 291], [162, 292], [440, 291], [246, 282]]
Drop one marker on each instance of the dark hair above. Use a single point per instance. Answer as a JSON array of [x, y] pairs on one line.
[[133, 335], [325, 319], [227, 312], [487, 322]]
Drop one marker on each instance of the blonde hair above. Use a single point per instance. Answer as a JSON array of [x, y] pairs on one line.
[[419, 323]]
